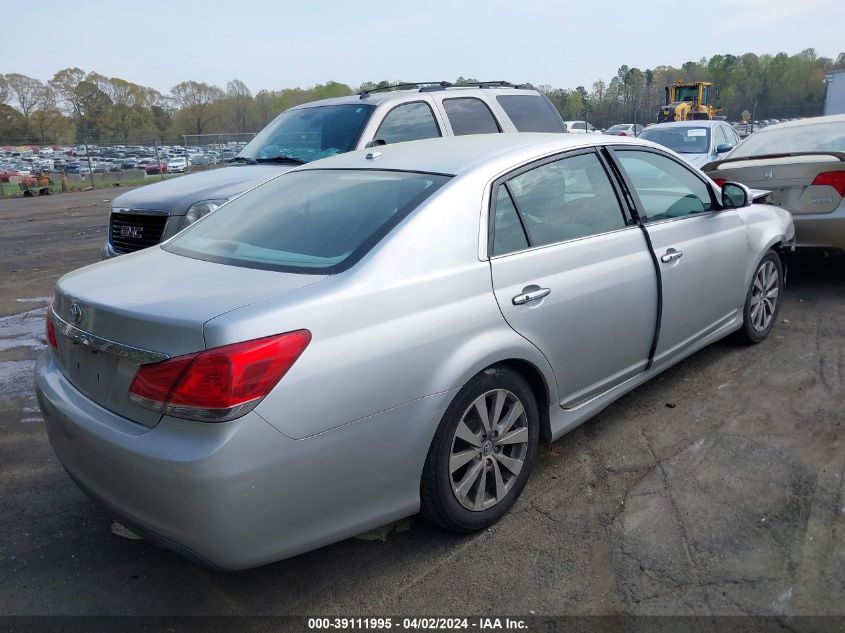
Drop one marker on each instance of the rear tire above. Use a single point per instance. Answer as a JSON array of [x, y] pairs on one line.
[[482, 453], [762, 302]]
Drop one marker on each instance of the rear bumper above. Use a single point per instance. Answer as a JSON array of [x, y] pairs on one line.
[[239, 494], [821, 230]]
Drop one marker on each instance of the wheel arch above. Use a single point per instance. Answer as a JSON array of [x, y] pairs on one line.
[[539, 387]]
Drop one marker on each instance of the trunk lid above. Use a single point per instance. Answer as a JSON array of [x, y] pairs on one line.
[[115, 315], [788, 178]]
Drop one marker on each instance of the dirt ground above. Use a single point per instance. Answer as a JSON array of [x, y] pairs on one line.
[[716, 489]]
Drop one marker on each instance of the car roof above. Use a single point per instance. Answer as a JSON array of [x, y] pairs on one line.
[[832, 118], [455, 155], [377, 98]]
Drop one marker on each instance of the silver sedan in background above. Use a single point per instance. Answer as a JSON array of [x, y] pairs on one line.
[[391, 331], [698, 142]]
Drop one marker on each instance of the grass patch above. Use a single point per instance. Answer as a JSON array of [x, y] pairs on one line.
[[84, 184]]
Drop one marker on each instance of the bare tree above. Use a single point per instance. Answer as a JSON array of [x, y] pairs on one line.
[[239, 101], [4, 90], [196, 98], [26, 91], [65, 83]]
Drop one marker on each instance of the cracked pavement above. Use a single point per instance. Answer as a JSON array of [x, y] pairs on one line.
[[718, 488]]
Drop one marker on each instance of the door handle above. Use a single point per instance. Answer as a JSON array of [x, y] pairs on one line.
[[671, 255], [533, 295]]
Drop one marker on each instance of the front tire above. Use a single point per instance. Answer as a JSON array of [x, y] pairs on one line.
[[482, 453], [762, 302]]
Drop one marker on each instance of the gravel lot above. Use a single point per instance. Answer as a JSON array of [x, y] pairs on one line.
[[718, 488]]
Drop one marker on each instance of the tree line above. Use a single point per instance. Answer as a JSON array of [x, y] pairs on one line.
[[76, 105]]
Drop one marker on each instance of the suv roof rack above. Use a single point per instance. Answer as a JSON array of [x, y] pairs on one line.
[[431, 86]]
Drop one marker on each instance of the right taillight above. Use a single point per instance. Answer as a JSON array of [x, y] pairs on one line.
[[720, 181], [835, 179], [218, 384], [51, 328]]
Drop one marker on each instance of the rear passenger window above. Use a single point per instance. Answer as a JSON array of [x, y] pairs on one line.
[[566, 199], [531, 113], [408, 122], [508, 235], [469, 115]]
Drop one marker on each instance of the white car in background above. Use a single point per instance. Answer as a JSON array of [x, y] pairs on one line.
[[625, 129], [176, 164], [581, 127]]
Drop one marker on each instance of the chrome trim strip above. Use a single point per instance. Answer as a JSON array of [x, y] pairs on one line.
[[101, 344], [128, 211]]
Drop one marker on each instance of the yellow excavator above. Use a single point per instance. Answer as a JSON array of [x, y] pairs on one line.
[[687, 101]]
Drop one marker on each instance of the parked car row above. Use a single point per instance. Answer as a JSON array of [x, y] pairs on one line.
[[80, 160]]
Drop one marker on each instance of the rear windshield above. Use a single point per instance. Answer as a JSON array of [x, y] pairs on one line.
[[684, 140], [813, 137], [618, 127], [531, 113], [308, 134], [317, 222]]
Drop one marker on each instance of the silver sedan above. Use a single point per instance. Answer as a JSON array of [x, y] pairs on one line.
[[698, 142], [392, 331]]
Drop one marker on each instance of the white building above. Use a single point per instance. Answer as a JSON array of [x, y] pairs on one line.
[[834, 103]]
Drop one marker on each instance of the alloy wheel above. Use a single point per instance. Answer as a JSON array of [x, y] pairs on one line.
[[764, 296], [488, 450]]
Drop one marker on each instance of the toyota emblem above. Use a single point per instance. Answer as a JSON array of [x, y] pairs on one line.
[[75, 314]]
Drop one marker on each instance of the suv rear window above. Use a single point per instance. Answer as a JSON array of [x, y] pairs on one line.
[[531, 113], [314, 221]]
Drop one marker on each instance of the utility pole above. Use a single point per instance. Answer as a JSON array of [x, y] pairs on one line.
[[90, 166], [158, 160]]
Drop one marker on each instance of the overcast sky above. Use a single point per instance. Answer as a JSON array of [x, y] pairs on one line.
[[279, 44]]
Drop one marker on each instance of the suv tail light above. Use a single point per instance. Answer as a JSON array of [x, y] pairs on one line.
[[835, 179], [218, 384], [720, 181]]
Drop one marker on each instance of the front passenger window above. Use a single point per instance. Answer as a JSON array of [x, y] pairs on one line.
[[666, 189]]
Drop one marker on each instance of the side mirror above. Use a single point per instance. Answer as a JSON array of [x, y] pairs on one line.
[[721, 148], [376, 142], [735, 195]]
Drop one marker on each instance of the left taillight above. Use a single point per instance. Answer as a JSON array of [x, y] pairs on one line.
[[218, 384], [720, 181], [51, 327]]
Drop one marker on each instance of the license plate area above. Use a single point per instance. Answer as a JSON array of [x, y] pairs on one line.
[[89, 370]]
